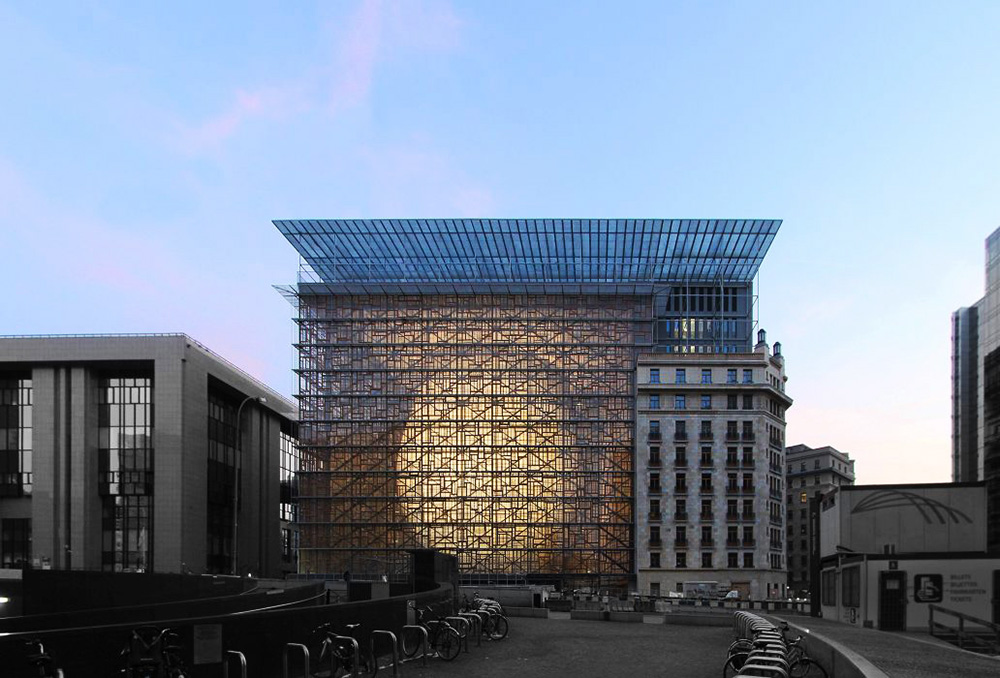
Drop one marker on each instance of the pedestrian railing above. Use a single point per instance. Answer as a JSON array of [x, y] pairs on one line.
[[964, 630]]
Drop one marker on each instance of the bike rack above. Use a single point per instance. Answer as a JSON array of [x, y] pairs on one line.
[[395, 648], [284, 659], [353, 642], [477, 626], [243, 663], [463, 632], [423, 639]]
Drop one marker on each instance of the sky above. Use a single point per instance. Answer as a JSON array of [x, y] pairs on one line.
[[146, 147]]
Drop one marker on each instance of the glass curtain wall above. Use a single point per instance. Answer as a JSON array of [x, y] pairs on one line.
[[288, 501], [125, 467], [497, 428], [15, 435], [221, 476]]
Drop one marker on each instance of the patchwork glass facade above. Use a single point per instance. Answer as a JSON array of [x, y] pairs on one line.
[[469, 385]]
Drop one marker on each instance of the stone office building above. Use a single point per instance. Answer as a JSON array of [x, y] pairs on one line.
[[129, 453], [810, 471], [709, 469]]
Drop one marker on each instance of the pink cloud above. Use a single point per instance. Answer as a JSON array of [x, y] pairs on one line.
[[266, 102], [376, 31], [415, 178], [357, 56]]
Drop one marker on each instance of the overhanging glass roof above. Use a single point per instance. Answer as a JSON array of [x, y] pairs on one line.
[[363, 254]]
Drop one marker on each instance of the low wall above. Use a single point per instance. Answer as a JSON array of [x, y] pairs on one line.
[[630, 617], [92, 652], [837, 659], [587, 615], [58, 591], [698, 619]]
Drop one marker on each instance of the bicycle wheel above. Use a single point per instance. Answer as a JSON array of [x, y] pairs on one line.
[[734, 664], [321, 662], [807, 668], [488, 627], [500, 628], [410, 640], [448, 644], [369, 666], [740, 645]]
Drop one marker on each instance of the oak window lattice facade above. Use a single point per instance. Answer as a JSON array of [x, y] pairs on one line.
[[469, 385]]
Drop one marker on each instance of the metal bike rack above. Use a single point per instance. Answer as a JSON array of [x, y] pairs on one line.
[[353, 643], [243, 663], [477, 626], [305, 656], [423, 639], [395, 648], [463, 632]]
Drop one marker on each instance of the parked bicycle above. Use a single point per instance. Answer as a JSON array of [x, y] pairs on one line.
[[495, 625], [800, 664], [38, 662], [442, 637], [332, 653], [152, 652]]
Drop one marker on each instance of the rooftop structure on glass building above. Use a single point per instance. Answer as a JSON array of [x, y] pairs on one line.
[[469, 384]]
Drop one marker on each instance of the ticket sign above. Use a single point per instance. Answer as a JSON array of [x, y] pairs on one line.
[[928, 588]]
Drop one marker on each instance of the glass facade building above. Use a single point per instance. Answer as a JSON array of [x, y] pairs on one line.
[[469, 385]]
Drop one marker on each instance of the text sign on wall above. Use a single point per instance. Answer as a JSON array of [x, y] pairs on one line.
[[964, 588], [207, 643]]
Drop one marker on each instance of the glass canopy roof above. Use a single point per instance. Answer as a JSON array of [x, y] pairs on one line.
[[474, 252]]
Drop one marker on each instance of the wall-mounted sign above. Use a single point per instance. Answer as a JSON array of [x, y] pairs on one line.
[[928, 588]]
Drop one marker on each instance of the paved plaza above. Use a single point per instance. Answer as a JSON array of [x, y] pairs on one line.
[[560, 648]]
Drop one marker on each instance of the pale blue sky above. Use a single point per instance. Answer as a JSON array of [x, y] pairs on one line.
[[145, 147]]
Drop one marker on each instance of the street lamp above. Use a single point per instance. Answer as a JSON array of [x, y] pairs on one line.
[[237, 462]]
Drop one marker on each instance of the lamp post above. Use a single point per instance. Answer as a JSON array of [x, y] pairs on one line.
[[237, 462]]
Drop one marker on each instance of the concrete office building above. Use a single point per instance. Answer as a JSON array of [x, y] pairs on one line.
[[976, 392], [709, 468], [119, 453], [469, 384], [808, 471]]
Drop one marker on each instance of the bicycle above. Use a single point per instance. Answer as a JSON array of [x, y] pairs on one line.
[[152, 653], [441, 637], [800, 664], [495, 625], [335, 652], [40, 662]]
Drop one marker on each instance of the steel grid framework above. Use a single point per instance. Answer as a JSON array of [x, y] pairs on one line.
[[498, 428], [468, 384]]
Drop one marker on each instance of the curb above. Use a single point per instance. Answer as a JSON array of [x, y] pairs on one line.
[[841, 661]]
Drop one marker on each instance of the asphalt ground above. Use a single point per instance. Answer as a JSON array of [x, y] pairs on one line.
[[561, 648]]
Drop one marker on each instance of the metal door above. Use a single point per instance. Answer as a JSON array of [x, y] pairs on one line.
[[892, 600]]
